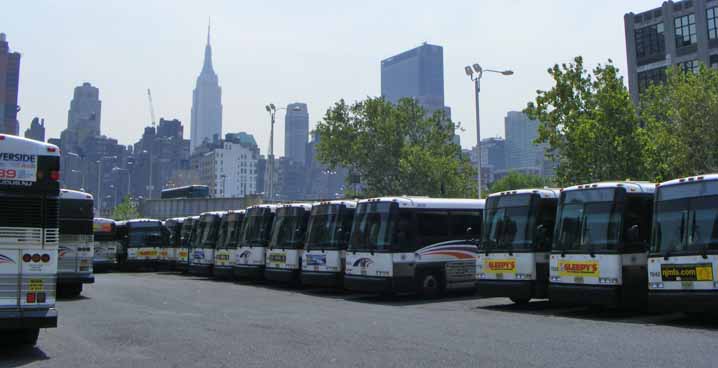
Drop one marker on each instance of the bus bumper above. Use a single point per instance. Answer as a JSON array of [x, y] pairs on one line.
[[28, 318], [181, 266], [381, 285], [75, 278], [506, 289], [141, 264], [585, 294], [200, 269], [322, 279], [281, 274], [103, 266], [684, 301], [223, 272], [248, 272]]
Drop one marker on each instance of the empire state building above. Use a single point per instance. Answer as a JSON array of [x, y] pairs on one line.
[[206, 121]]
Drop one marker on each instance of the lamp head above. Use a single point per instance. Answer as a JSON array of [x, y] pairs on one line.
[[271, 106], [468, 71], [267, 108], [508, 72], [477, 68]]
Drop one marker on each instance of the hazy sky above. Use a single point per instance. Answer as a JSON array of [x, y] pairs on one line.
[[293, 51]]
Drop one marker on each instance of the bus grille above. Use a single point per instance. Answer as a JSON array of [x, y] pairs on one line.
[[27, 212]]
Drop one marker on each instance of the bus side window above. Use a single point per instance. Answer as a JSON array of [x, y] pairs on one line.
[[547, 220], [639, 214], [405, 232], [432, 227], [466, 225]]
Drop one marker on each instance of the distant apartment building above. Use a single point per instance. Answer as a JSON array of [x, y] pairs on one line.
[[296, 132], [228, 167], [522, 154], [36, 130], [493, 158], [682, 33], [417, 73], [9, 85]]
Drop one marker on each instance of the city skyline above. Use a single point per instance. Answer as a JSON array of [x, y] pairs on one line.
[[263, 61]]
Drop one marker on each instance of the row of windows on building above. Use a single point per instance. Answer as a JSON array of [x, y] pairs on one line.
[[650, 41], [658, 75]]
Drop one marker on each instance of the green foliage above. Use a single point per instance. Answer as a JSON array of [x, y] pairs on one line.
[[589, 123], [516, 180], [681, 125], [125, 210], [396, 149]]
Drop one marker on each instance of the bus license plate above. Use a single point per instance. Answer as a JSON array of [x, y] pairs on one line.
[[687, 284], [36, 285], [578, 280]]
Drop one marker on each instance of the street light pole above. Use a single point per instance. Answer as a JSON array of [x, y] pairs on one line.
[[99, 187], [272, 110], [475, 72]]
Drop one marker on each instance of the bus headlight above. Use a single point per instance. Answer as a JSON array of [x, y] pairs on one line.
[[556, 278], [523, 276], [482, 275], [608, 280], [656, 285]]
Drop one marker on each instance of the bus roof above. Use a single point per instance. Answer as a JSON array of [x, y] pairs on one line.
[[102, 220], [134, 221], [74, 194], [15, 144], [631, 186], [349, 203], [426, 202], [307, 206], [689, 179], [271, 207], [543, 192], [176, 219], [213, 213]]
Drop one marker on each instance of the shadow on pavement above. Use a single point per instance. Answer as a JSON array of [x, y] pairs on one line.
[[410, 299], [637, 316], [18, 356], [66, 299]]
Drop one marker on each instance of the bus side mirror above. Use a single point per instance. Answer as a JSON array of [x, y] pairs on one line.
[[633, 234]]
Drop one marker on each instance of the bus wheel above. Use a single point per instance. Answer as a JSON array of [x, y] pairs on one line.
[[70, 291], [29, 336], [520, 301], [430, 286]]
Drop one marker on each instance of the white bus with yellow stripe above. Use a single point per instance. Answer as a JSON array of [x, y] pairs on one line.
[[325, 251], [600, 246], [144, 240], [189, 232], [286, 247], [683, 259], [202, 254], [230, 229], [256, 232], [29, 237], [515, 243], [413, 244]]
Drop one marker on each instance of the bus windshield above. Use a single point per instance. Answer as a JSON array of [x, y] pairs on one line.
[[507, 223], [686, 218], [329, 227], [209, 226], [289, 228], [589, 220], [256, 227], [374, 226], [187, 229], [229, 231], [144, 235]]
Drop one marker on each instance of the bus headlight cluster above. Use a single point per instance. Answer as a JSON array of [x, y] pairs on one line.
[[555, 278], [608, 280], [482, 275], [382, 273], [656, 285], [523, 276]]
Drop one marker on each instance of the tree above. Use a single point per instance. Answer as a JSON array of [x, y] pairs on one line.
[[516, 180], [681, 125], [589, 123], [125, 210], [395, 149]]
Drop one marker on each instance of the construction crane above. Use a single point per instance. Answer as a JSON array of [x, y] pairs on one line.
[[152, 107]]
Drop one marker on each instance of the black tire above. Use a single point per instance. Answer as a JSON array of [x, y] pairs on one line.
[[430, 285], [29, 337], [70, 291], [520, 301]]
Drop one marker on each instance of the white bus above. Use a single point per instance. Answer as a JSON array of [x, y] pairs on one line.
[[174, 240], [144, 240], [29, 237], [107, 244], [414, 244], [515, 244], [189, 228], [202, 259], [600, 245], [224, 256], [285, 248], [253, 241], [325, 250], [683, 259], [74, 265]]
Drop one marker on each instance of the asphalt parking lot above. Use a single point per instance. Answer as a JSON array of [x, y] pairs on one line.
[[169, 320]]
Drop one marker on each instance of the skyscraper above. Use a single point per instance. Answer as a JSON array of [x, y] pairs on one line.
[[9, 84], [36, 130], [206, 120], [296, 132], [417, 73], [85, 114], [522, 154]]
